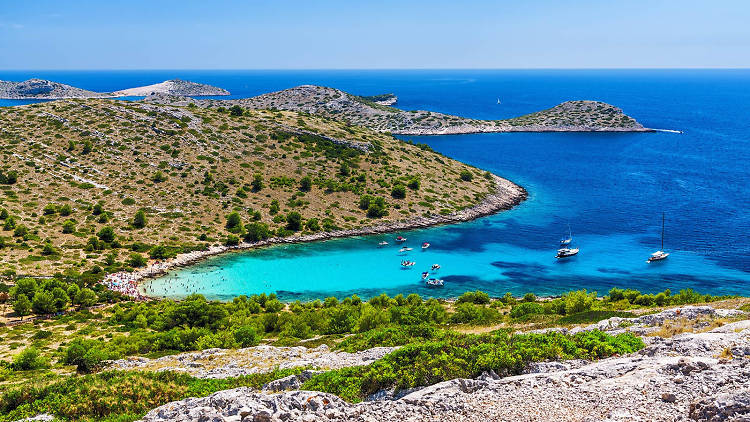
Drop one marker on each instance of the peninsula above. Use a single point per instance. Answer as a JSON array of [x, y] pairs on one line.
[[110, 184], [570, 116], [40, 89]]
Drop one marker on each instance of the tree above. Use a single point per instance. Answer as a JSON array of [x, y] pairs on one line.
[[256, 231], [136, 260], [274, 208], [25, 286], [43, 302], [107, 234], [61, 299], [466, 175], [69, 227], [3, 214], [48, 249], [377, 208], [234, 222], [139, 220], [312, 225], [305, 184], [98, 209], [257, 183], [85, 297], [294, 221], [159, 252], [399, 191], [232, 240], [22, 305]]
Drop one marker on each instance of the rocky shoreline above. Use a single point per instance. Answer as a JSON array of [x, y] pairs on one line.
[[40, 89], [506, 196]]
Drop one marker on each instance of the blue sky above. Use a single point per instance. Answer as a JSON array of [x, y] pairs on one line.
[[322, 34]]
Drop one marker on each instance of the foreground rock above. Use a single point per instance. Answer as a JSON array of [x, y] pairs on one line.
[[222, 363], [685, 380]]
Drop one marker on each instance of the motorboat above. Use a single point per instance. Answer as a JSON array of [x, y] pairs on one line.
[[400, 239], [405, 249], [407, 264], [383, 243], [425, 245], [566, 252], [435, 267], [435, 282], [425, 275]]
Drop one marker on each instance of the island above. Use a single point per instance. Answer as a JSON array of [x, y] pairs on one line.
[[570, 116], [40, 89]]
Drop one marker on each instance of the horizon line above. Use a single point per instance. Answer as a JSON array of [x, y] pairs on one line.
[[368, 69]]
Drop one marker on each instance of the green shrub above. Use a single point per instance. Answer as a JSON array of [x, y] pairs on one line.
[[29, 359], [526, 308], [466, 175]]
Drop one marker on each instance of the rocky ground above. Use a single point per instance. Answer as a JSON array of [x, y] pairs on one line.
[[700, 374], [50, 90], [221, 363]]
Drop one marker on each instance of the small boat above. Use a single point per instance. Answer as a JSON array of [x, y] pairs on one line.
[[383, 243], [435, 282], [425, 275], [498, 100], [659, 255], [405, 249], [400, 239], [435, 267], [407, 264], [566, 252], [566, 240], [425, 245]]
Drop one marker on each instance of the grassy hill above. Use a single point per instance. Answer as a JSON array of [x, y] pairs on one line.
[[103, 183]]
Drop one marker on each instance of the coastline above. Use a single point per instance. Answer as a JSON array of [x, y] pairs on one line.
[[507, 195]]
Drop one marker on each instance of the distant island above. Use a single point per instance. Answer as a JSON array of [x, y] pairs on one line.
[[40, 89], [570, 116]]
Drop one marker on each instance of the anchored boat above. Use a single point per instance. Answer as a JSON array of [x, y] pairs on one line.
[[659, 255], [566, 252]]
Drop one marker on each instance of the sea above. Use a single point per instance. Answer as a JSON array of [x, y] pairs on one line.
[[611, 189]]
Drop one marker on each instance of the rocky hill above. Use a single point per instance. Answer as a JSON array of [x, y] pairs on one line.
[[571, 116], [72, 168], [174, 87], [42, 89], [39, 89], [702, 374]]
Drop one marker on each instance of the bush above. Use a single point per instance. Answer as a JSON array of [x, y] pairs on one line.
[[413, 184], [578, 301], [526, 308], [69, 226], [235, 110], [232, 240], [398, 192], [43, 302], [466, 175], [136, 260], [29, 359], [106, 234], [478, 297], [234, 222], [22, 305], [246, 336], [305, 184]]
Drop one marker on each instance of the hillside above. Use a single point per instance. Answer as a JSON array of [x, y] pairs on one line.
[[42, 89], [39, 89], [76, 173], [336, 104]]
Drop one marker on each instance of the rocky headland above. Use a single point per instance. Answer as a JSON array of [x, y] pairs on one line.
[[570, 116], [39, 89], [701, 374]]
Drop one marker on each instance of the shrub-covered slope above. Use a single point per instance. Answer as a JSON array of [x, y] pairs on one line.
[[89, 182]]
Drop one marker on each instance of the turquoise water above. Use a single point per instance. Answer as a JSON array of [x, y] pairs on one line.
[[611, 188]]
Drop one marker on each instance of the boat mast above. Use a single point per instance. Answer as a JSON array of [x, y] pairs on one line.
[[662, 230]]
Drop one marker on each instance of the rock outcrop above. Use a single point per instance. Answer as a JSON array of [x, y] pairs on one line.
[[222, 363], [698, 380]]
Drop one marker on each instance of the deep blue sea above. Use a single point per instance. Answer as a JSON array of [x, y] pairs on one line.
[[611, 188]]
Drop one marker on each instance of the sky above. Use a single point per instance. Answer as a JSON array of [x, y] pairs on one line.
[[385, 34]]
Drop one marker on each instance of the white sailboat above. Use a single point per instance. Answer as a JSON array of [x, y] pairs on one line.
[[498, 100], [660, 254]]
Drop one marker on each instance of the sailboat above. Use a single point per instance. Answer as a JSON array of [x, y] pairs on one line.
[[566, 240], [498, 100], [660, 254]]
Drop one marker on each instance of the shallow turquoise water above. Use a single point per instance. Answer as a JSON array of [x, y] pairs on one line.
[[612, 188]]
